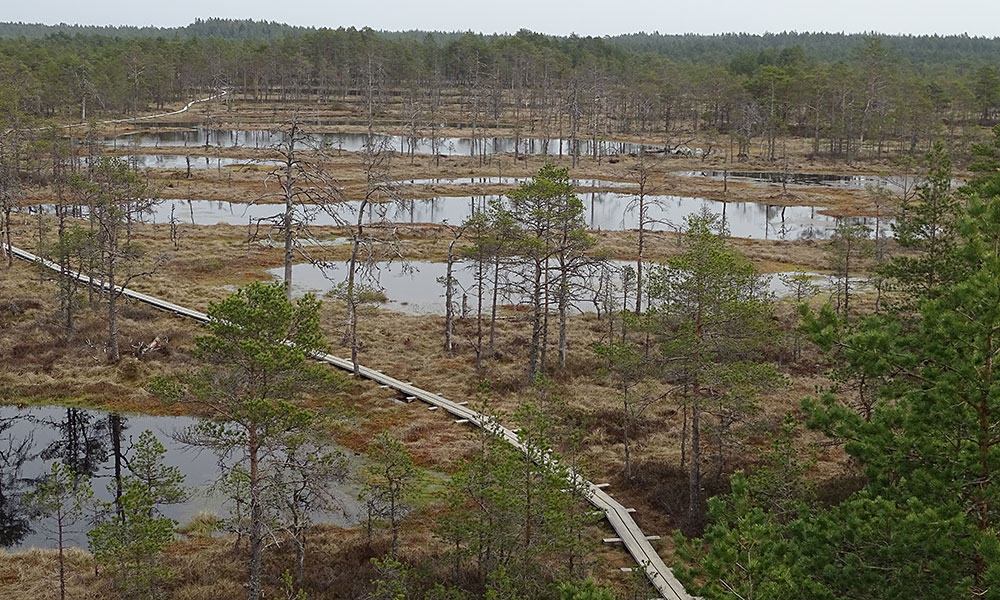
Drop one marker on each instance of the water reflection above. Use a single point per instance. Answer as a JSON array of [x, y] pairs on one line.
[[416, 288], [177, 161], [98, 443], [580, 183], [33, 439], [836, 180], [353, 142], [15, 451], [603, 210], [82, 440]]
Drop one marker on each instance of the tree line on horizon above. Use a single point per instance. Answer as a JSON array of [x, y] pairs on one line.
[[854, 96], [919, 48]]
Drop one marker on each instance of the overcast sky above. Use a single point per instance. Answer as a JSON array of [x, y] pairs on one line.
[[560, 17]]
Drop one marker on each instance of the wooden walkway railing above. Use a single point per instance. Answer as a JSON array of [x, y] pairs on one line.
[[635, 541]]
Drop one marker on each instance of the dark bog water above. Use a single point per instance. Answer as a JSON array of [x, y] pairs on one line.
[[608, 211], [580, 184], [353, 142], [32, 438], [176, 161], [836, 180], [417, 288]]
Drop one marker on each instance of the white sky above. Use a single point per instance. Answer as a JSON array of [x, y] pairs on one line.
[[560, 17]]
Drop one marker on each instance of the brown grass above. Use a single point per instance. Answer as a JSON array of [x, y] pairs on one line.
[[39, 364], [35, 574], [242, 184], [410, 348]]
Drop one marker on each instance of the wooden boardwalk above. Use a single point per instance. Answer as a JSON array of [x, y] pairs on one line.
[[628, 532], [156, 116]]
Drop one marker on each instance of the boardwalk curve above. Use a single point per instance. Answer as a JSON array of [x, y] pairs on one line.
[[634, 540]]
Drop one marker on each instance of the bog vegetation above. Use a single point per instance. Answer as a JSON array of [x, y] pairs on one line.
[[813, 445], [852, 96]]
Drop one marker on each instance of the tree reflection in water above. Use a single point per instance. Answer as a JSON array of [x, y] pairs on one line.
[[84, 442], [15, 451]]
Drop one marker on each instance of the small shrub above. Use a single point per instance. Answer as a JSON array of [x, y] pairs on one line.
[[129, 369], [202, 526], [206, 264]]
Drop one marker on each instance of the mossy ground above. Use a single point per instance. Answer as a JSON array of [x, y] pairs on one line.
[[41, 364]]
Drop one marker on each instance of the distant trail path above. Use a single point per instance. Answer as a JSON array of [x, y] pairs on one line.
[[619, 517], [142, 118]]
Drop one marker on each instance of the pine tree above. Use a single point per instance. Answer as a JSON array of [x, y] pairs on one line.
[[509, 517], [929, 450], [130, 542], [256, 368], [553, 240], [61, 495], [985, 166], [116, 196], [712, 315], [928, 229], [848, 252], [627, 368], [391, 483]]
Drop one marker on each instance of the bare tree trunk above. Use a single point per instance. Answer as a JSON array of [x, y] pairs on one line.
[[256, 521], [563, 312], [114, 353], [536, 323], [6, 232], [545, 318], [684, 435], [479, 314], [493, 309], [626, 421], [449, 294], [288, 185], [694, 469], [641, 247], [90, 265], [300, 556], [694, 472], [352, 305], [394, 522], [62, 559]]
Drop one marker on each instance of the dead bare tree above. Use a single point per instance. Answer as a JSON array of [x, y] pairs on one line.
[[575, 116], [372, 237], [290, 175], [307, 190], [641, 173], [435, 117], [449, 287], [477, 91], [414, 110]]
